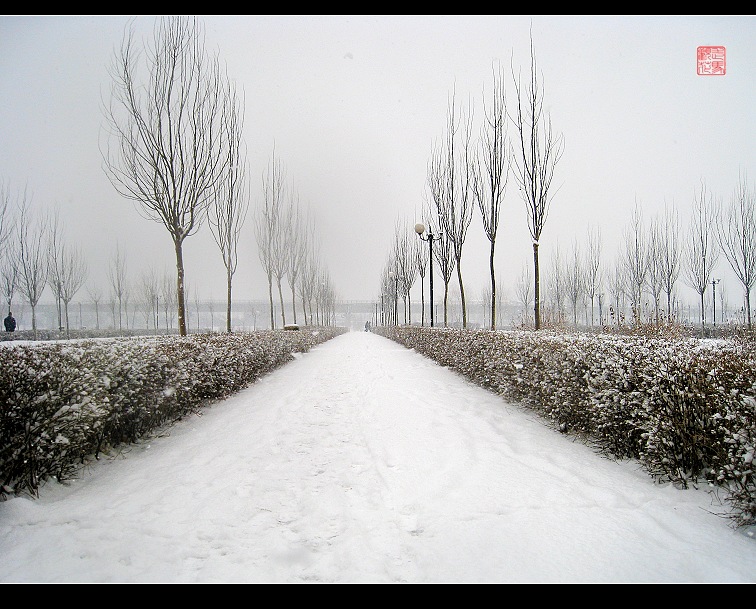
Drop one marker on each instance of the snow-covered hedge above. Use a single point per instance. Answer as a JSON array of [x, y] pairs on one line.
[[686, 409], [62, 403]]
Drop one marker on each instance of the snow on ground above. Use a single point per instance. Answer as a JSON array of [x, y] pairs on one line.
[[362, 461]]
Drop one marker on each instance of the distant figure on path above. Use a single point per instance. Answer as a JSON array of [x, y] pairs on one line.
[[10, 322], [367, 326]]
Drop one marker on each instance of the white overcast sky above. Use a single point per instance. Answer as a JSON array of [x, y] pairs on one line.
[[354, 105]]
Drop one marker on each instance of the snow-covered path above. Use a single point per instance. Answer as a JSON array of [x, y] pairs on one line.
[[363, 461]]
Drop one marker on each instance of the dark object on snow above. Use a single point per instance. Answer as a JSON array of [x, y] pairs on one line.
[[291, 327], [10, 322], [367, 326]]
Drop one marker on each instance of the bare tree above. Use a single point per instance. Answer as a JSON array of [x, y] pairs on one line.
[[442, 251], [150, 292], [9, 278], [95, 295], [491, 173], [117, 276], [736, 234], [671, 255], [574, 277], [390, 288], [73, 274], [701, 253], [32, 257], [557, 284], [617, 285], [656, 253], [8, 246], [406, 269], [6, 219], [297, 245], [450, 179], [593, 272], [269, 229], [524, 290], [539, 151], [55, 248], [636, 261], [170, 132], [230, 201], [307, 278], [168, 297]]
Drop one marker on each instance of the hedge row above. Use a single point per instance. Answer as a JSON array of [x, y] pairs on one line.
[[63, 403], [686, 409]]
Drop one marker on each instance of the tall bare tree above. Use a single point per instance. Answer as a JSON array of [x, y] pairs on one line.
[[95, 295], [701, 252], [32, 256], [491, 172], [73, 274], [575, 279], [736, 234], [9, 277], [6, 219], [171, 142], [671, 253], [618, 289], [307, 278], [451, 182], [557, 284], [442, 248], [636, 261], [150, 296], [656, 252], [230, 201], [168, 297], [118, 286], [524, 291], [269, 230], [8, 265], [539, 150], [55, 247], [593, 268], [404, 249], [297, 245]]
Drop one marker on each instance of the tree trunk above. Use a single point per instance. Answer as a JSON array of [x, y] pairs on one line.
[[446, 305], [536, 289], [68, 332], [293, 303], [270, 300], [462, 292], [748, 306], [281, 300], [493, 287], [180, 289], [228, 302]]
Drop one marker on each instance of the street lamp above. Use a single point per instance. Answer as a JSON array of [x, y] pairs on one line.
[[420, 229], [714, 283]]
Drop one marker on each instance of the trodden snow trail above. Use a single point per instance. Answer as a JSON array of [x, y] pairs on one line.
[[363, 461]]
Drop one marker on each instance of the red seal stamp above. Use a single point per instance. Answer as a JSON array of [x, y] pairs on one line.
[[711, 61]]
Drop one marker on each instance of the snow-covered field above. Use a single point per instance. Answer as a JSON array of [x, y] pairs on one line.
[[363, 461]]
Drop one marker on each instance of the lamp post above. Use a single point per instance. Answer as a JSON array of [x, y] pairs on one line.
[[714, 283], [420, 229]]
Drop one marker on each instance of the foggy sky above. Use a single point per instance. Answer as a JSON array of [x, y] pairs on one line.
[[354, 105]]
